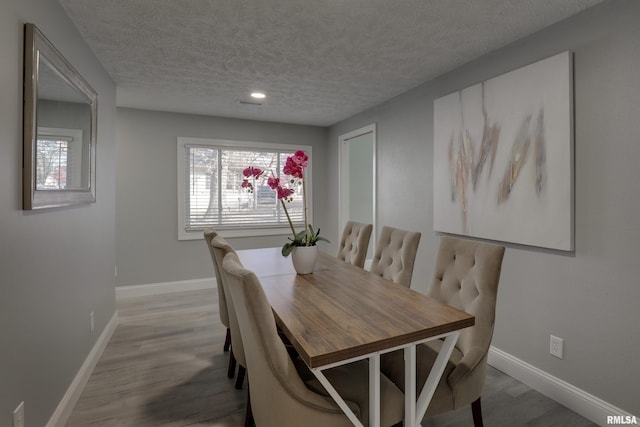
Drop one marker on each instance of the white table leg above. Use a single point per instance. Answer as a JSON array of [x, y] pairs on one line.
[[414, 409], [336, 397], [410, 386], [430, 385], [374, 390]]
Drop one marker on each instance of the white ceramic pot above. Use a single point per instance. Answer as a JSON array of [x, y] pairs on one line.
[[304, 258]]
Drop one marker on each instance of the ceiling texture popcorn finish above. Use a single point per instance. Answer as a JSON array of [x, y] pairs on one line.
[[318, 61]]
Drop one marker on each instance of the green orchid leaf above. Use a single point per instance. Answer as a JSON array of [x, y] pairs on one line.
[[300, 237], [287, 248]]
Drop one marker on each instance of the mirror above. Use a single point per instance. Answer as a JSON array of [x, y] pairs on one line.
[[60, 112]]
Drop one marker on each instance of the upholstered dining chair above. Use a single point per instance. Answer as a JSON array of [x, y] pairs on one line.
[[278, 394], [395, 255], [209, 235], [466, 277], [220, 249], [354, 243]]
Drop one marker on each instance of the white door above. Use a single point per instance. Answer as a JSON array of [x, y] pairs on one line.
[[358, 179]]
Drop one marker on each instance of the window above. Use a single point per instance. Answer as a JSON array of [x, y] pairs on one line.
[[58, 159], [210, 193]]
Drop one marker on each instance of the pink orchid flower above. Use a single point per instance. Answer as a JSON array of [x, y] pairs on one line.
[[293, 168], [273, 182], [251, 171], [284, 193], [301, 158], [294, 171]]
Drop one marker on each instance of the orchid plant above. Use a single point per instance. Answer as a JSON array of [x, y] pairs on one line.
[[294, 169]]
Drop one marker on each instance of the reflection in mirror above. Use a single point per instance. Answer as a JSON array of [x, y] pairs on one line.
[[59, 128], [59, 159], [63, 132]]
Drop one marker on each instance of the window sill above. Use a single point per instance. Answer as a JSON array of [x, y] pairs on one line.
[[245, 232]]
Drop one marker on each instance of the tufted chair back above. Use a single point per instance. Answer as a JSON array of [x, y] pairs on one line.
[[354, 243], [466, 277], [395, 255]]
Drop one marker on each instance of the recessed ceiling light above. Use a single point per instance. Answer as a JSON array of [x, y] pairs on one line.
[[258, 95]]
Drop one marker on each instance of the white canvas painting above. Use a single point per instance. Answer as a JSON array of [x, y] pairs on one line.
[[503, 157]]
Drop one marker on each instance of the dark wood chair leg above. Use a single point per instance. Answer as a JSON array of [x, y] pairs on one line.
[[248, 417], [232, 365], [227, 340], [476, 410], [240, 378]]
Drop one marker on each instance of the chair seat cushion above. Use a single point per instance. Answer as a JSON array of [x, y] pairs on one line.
[[352, 383], [392, 365]]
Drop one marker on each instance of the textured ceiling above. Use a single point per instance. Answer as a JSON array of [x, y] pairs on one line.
[[319, 61]]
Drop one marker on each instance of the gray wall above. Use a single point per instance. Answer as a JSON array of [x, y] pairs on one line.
[[56, 266], [147, 246], [589, 297]]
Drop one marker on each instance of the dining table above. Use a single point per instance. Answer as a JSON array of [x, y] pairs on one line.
[[341, 313]]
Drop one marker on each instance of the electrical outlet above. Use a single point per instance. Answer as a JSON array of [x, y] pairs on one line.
[[556, 347], [18, 416], [91, 320]]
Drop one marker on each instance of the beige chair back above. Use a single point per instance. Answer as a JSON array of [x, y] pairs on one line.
[[354, 243], [466, 276], [209, 235], [395, 255], [220, 249], [279, 398]]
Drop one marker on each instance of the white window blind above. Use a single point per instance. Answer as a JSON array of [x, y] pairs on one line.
[[210, 193], [59, 159], [51, 162]]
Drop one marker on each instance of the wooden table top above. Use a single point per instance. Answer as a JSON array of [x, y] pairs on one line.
[[341, 311]]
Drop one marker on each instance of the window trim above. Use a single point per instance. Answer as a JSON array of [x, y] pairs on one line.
[[182, 142]]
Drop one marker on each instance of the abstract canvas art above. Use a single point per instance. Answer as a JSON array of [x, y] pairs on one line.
[[503, 157]]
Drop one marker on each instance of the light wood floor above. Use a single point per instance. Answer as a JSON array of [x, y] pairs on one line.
[[164, 366]]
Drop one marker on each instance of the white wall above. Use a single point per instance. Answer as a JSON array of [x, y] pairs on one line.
[[56, 266], [147, 246], [589, 297]]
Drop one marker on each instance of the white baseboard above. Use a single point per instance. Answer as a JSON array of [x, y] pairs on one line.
[[579, 401], [164, 288], [70, 398]]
